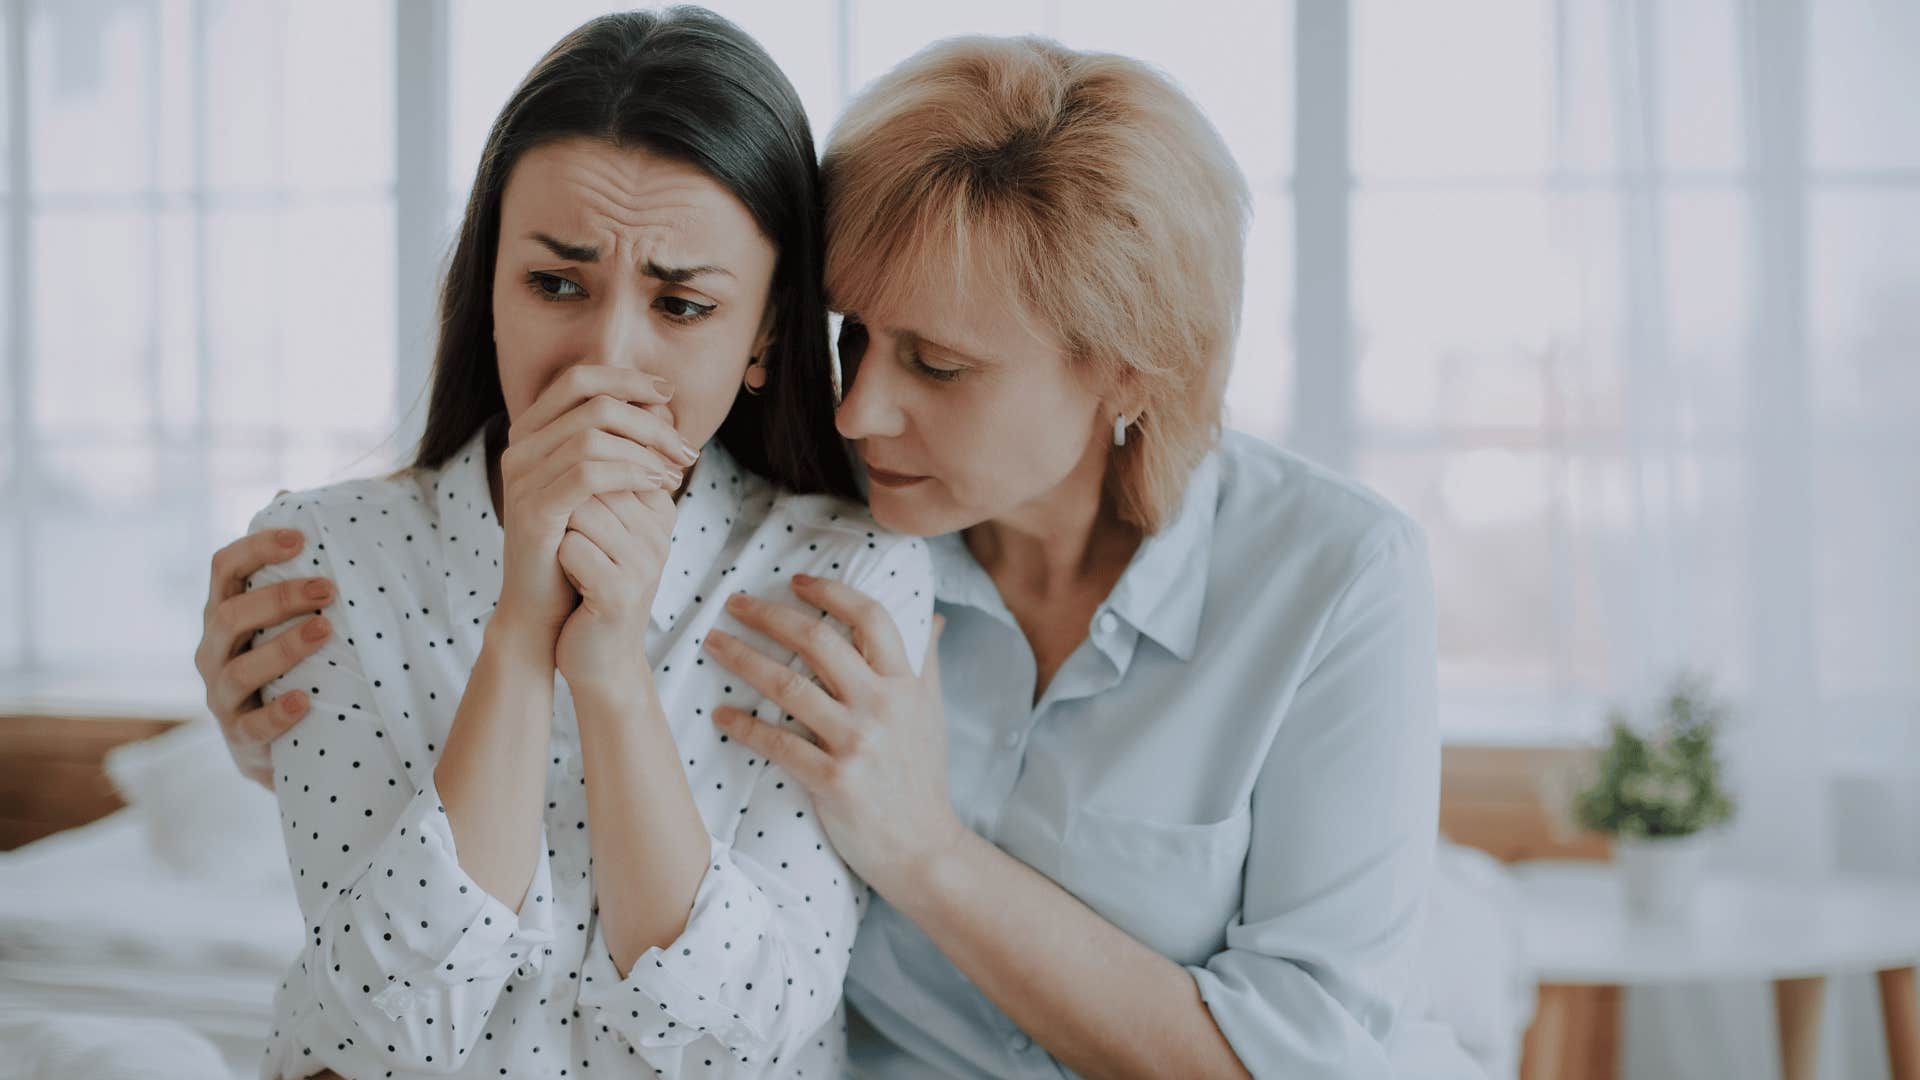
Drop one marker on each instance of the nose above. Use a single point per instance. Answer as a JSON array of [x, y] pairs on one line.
[[621, 336], [870, 406]]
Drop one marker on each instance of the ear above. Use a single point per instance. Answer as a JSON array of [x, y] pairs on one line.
[[764, 337]]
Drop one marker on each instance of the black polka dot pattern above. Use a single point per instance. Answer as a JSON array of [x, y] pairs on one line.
[[410, 967]]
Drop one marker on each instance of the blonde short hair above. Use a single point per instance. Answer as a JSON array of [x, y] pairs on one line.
[[1088, 179]]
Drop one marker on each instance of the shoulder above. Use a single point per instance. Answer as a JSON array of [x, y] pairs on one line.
[[835, 538], [845, 533], [1270, 497], [352, 518], [349, 502]]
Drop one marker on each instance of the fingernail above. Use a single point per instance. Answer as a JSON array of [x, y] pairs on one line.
[[316, 628], [663, 386], [317, 591], [737, 601], [803, 579], [289, 538], [294, 701], [665, 480]]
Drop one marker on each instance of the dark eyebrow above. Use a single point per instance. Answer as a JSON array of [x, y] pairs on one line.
[[569, 252], [586, 253], [680, 275]]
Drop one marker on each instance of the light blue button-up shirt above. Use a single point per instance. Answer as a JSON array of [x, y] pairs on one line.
[[1239, 767]]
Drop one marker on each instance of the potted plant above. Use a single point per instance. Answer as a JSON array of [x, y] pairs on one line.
[[1657, 794]]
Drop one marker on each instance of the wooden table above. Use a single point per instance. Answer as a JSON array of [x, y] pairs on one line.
[[1585, 949]]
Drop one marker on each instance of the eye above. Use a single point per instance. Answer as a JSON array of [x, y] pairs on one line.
[[553, 286], [682, 310], [924, 368]]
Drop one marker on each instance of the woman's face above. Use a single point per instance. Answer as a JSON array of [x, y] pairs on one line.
[[623, 257], [964, 412]]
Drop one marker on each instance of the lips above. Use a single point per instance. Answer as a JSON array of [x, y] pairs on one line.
[[889, 478]]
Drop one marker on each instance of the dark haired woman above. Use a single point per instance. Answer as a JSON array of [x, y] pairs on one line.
[[512, 873]]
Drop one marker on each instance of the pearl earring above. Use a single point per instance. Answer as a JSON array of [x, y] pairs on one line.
[[1120, 431]]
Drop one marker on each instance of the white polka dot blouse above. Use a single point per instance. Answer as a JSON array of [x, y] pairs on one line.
[[409, 968]]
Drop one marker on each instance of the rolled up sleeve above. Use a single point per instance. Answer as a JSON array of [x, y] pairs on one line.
[[760, 963], [1343, 831]]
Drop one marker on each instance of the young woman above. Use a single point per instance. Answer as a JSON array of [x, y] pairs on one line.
[[1172, 810], [519, 844]]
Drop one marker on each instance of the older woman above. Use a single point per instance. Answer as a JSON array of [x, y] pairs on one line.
[[1162, 802]]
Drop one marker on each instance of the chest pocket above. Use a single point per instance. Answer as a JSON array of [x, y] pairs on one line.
[[1173, 887]]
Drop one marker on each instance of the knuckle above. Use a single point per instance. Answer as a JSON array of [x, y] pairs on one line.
[[792, 684], [819, 635], [231, 683], [221, 626], [832, 773], [604, 409], [290, 647]]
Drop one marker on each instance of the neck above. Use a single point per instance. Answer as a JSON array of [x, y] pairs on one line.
[[1061, 543]]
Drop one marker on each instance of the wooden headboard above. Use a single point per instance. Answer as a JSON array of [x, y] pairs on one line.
[[50, 770], [1492, 798]]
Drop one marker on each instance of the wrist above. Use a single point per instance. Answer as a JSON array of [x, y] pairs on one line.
[[611, 689], [521, 642], [934, 869]]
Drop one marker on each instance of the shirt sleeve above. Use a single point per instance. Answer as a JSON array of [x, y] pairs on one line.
[[404, 951], [764, 953], [1345, 814]]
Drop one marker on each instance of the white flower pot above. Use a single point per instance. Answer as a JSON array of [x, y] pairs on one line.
[[1660, 877]]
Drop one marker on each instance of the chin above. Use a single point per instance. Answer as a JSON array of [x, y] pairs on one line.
[[915, 514]]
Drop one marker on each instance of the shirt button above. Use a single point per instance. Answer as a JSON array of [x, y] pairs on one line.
[[1010, 740], [1019, 1043], [1109, 622], [574, 767]]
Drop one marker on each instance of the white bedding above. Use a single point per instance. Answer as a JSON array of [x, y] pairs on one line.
[[125, 930], [129, 917]]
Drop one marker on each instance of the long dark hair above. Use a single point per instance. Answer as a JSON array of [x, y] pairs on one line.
[[687, 84]]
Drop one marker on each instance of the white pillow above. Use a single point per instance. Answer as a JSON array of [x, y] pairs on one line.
[[202, 818]]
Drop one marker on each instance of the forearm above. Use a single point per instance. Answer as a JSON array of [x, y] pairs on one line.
[[1101, 1002], [649, 844], [491, 774]]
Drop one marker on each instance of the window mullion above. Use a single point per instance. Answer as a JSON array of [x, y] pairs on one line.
[[19, 338], [1323, 423], [422, 85]]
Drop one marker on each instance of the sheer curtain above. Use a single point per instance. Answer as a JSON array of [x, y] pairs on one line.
[[1633, 333]]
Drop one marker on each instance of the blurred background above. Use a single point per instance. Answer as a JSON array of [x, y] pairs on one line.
[[1619, 298]]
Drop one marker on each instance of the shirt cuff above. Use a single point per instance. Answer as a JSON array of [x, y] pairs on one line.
[[452, 930], [708, 982]]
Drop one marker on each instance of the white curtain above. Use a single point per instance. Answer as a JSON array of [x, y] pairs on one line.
[[1776, 484]]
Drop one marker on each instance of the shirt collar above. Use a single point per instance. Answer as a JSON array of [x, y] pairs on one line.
[[1164, 588], [475, 544], [1160, 594]]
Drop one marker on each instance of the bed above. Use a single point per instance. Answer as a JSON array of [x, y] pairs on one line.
[[149, 943]]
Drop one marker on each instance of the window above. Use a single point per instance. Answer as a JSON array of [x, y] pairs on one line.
[[1614, 296], [200, 301]]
